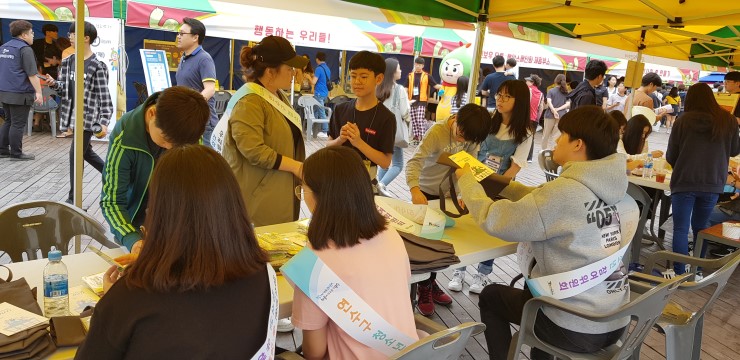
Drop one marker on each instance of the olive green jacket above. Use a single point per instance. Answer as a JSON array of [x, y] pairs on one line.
[[258, 135]]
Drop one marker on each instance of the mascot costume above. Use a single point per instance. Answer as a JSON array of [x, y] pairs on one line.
[[455, 64]]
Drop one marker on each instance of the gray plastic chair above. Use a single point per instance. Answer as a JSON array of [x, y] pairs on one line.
[[222, 99], [447, 344], [643, 312], [45, 108], [642, 198], [55, 226], [308, 102], [548, 165], [683, 338]]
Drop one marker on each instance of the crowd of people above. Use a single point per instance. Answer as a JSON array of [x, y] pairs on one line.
[[187, 213]]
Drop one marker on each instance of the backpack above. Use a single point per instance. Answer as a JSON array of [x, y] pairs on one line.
[[329, 84]]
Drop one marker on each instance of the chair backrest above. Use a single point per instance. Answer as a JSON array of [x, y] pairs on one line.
[[643, 313], [548, 165], [46, 94], [726, 267], [444, 345], [307, 102], [52, 224], [643, 199], [222, 99], [338, 100]]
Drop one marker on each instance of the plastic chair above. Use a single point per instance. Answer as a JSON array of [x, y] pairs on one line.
[[683, 335], [338, 100], [447, 344], [645, 202], [443, 343], [548, 165], [308, 102], [141, 92], [47, 107], [222, 99], [643, 312], [55, 226]]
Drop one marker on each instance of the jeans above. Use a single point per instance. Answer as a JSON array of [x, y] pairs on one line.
[[11, 133], [691, 207], [88, 154], [320, 112], [502, 305], [207, 135], [719, 216], [484, 267], [387, 176]]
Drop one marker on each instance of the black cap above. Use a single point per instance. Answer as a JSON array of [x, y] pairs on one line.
[[278, 50], [732, 76]]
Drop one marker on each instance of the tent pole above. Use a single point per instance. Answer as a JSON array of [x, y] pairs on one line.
[[231, 60], [343, 71], [79, 109], [480, 34]]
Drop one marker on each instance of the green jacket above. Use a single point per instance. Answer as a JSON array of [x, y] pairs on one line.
[[128, 170]]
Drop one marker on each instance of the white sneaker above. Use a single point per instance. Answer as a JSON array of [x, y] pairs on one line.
[[479, 282], [458, 277], [284, 325]]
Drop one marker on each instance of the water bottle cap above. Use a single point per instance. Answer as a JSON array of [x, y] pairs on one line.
[[55, 255]]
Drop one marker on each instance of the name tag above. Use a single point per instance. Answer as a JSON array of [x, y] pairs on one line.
[[493, 162], [416, 91]]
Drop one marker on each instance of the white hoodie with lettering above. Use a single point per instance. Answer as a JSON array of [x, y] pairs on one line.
[[563, 220]]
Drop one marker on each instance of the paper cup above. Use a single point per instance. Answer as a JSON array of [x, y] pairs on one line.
[[731, 230]]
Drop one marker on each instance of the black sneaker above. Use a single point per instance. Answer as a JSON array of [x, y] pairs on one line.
[[22, 157], [4, 153]]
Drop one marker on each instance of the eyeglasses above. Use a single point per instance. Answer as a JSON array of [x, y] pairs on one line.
[[503, 98], [300, 192], [183, 33], [362, 80]]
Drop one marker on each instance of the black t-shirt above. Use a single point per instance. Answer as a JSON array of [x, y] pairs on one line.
[[225, 322], [377, 126], [491, 84]]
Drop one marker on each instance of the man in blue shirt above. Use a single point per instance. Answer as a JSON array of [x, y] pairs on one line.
[[493, 81], [321, 76], [197, 70]]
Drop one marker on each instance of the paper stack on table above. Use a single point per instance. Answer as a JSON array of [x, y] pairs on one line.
[[14, 319]]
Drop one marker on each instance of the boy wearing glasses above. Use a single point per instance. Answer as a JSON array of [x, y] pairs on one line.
[[365, 124], [197, 70], [461, 132]]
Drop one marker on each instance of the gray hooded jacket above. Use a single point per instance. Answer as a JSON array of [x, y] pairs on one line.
[[561, 220]]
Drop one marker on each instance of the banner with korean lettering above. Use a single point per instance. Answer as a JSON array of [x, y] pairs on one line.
[[666, 73], [244, 22], [343, 305], [529, 54]]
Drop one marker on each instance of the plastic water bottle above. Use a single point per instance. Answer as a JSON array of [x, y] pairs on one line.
[[56, 286], [647, 170]]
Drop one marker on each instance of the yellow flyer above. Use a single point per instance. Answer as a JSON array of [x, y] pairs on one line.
[[479, 170]]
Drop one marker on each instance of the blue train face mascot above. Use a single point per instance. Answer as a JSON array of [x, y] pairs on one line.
[[455, 64]]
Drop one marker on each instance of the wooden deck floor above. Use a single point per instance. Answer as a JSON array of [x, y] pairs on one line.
[[47, 178]]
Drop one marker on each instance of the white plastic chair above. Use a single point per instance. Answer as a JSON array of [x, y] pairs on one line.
[[549, 166], [308, 102], [45, 108]]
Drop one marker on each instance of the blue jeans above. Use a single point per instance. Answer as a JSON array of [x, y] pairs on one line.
[[719, 216], [386, 176], [485, 267], [692, 207], [320, 112]]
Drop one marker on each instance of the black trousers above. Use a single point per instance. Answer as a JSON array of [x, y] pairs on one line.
[[502, 305], [88, 154], [11, 133]]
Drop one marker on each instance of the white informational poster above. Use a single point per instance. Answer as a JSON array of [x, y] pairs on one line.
[[107, 49], [156, 71]]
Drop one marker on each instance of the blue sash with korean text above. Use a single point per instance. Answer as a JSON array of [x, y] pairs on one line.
[[571, 283], [347, 309]]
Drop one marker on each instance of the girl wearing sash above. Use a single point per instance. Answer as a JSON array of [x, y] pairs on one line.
[[505, 151], [351, 238], [202, 287], [264, 140], [575, 223]]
